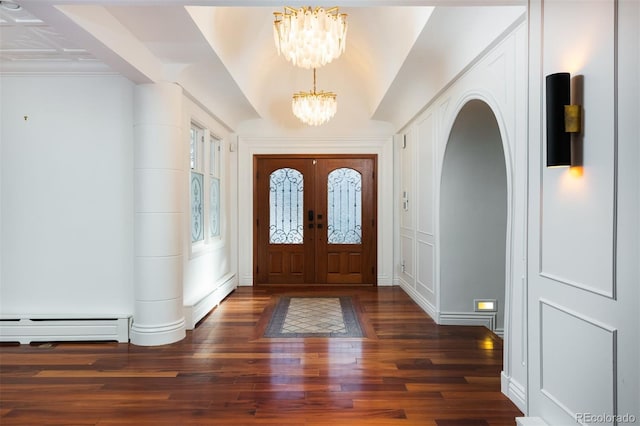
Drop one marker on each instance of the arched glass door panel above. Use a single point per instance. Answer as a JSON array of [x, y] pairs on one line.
[[344, 207], [286, 204]]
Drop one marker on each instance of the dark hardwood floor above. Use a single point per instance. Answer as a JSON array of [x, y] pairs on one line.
[[407, 371]]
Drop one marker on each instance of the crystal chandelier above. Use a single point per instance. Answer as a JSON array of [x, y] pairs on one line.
[[310, 38], [314, 108]]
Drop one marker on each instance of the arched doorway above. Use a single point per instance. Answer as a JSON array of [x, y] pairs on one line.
[[473, 216]]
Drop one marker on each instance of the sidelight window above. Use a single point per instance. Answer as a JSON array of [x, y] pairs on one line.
[[286, 198], [214, 187], [344, 204], [197, 183], [205, 196]]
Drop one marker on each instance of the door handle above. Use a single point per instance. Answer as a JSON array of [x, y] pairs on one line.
[[310, 215]]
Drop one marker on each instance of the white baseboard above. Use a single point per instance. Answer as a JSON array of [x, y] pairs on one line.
[[194, 312], [40, 328], [468, 318], [420, 301], [486, 319], [514, 391]]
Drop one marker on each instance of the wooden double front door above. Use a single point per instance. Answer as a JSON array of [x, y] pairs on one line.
[[315, 219]]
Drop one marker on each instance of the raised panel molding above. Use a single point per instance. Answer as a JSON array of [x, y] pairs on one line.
[[406, 231], [407, 255], [425, 265], [443, 108], [497, 68], [424, 237], [407, 175], [572, 205], [570, 345], [425, 175]]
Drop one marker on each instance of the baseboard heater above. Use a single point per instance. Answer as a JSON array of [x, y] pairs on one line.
[[30, 329], [195, 310], [487, 319]]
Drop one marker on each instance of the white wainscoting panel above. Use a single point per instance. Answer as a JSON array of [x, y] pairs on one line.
[[407, 256], [578, 369], [497, 69], [578, 225], [425, 172], [407, 189], [425, 267]]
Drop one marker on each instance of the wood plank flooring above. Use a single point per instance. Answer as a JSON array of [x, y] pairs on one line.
[[407, 371]]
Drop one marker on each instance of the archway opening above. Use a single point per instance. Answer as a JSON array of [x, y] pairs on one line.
[[473, 218]]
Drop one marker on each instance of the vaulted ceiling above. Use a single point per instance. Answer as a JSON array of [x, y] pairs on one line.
[[399, 53]]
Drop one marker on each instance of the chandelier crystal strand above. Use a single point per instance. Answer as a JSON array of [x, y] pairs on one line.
[[310, 38], [314, 108]]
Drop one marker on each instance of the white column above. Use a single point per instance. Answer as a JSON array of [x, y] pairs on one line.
[[159, 188]]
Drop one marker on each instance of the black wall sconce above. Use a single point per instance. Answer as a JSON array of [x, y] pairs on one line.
[[563, 119]]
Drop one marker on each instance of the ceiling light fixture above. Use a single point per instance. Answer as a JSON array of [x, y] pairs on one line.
[[314, 108], [9, 5], [310, 38]]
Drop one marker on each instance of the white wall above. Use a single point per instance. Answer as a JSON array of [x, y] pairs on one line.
[[473, 214], [68, 202], [498, 79], [583, 237], [451, 41], [67, 195]]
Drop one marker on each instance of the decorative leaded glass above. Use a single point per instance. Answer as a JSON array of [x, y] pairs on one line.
[[197, 210], [344, 204], [286, 198], [193, 147], [214, 157], [214, 207]]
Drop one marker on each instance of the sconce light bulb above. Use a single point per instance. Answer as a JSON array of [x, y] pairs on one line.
[[576, 171]]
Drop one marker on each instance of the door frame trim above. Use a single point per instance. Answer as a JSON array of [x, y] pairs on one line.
[[244, 148], [365, 156]]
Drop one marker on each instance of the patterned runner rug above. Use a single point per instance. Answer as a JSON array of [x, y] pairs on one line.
[[314, 317]]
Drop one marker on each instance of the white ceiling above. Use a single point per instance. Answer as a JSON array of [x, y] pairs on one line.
[[222, 52], [29, 44]]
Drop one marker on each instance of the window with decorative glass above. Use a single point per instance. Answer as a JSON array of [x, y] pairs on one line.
[[196, 147], [196, 190], [214, 187], [286, 203]]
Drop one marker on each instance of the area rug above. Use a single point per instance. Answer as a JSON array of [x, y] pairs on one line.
[[314, 317]]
